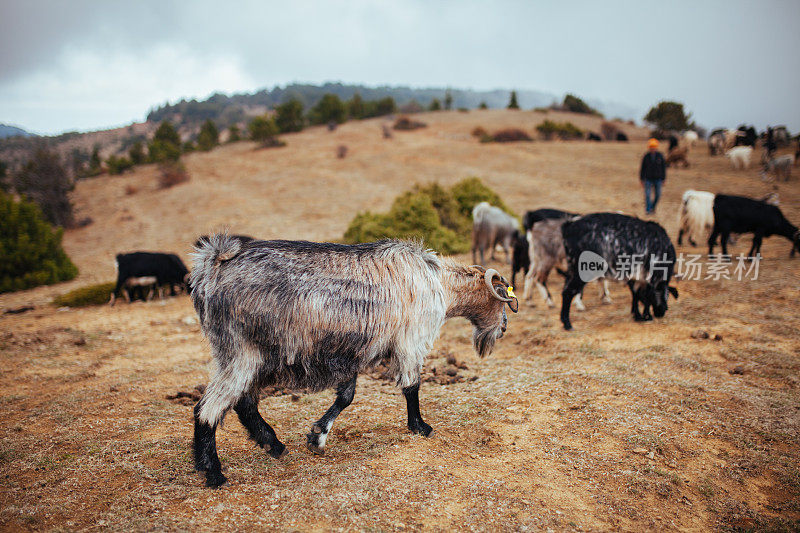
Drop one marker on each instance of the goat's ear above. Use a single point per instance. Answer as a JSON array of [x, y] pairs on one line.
[[673, 291]]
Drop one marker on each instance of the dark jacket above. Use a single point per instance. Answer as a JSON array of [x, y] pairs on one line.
[[653, 167]]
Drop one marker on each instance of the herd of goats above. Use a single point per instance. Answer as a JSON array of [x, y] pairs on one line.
[[304, 315]]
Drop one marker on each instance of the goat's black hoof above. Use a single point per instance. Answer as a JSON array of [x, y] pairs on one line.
[[276, 450], [313, 441], [420, 428], [215, 479], [567, 327], [639, 318]]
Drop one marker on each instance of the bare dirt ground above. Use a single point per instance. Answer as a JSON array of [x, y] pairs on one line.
[[614, 426]]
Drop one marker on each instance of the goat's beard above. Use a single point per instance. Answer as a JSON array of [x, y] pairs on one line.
[[484, 340]]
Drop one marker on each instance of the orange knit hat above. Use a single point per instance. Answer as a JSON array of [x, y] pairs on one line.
[[652, 143]]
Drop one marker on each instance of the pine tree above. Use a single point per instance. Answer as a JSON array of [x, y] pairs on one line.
[[289, 116], [44, 181], [448, 100], [32, 252], [512, 103], [436, 105], [208, 137]]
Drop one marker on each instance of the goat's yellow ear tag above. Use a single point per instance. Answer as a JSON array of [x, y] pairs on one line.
[[511, 292]]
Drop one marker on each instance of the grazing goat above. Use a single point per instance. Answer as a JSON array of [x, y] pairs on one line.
[[622, 137], [780, 166], [314, 315], [547, 252], [696, 215], [592, 136], [491, 226], [746, 136], [716, 142], [678, 155], [532, 217], [737, 214], [690, 137], [740, 156], [168, 269], [603, 245]]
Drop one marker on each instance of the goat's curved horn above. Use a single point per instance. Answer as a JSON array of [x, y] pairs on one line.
[[488, 277]]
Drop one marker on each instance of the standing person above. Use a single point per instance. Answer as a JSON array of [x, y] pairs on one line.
[[652, 175]]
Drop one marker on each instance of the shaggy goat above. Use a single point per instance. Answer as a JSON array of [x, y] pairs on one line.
[[690, 137], [678, 155], [737, 214], [716, 142], [491, 226], [547, 252], [740, 156], [780, 166], [603, 245], [313, 315]]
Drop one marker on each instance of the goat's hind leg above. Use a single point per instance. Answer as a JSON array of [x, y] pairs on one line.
[[205, 450], [259, 430], [315, 441]]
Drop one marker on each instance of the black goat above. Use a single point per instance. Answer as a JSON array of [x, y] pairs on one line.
[[532, 217], [598, 245], [737, 214], [168, 269], [593, 137], [520, 257]]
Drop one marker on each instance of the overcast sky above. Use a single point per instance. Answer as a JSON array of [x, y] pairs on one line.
[[80, 65]]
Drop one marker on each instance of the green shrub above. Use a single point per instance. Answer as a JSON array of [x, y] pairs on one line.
[[264, 130], [118, 165], [208, 137], [435, 105], [330, 108], [98, 294], [565, 130], [471, 191], [30, 249], [438, 217], [233, 134], [136, 153], [507, 135], [355, 107], [289, 116], [166, 144]]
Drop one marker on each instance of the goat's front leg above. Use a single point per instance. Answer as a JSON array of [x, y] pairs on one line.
[[415, 422], [345, 392]]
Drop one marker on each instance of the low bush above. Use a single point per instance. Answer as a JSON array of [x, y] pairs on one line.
[[479, 132], [406, 124], [562, 130], [30, 248], [171, 174], [509, 135], [118, 165], [439, 217], [98, 294], [609, 130]]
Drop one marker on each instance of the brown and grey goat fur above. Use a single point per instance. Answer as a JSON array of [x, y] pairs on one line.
[[314, 315], [546, 249]]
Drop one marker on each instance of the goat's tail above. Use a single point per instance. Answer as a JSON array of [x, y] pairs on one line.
[[209, 252]]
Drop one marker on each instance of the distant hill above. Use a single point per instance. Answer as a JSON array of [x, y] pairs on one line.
[[16, 144], [13, 131], [226, 110]]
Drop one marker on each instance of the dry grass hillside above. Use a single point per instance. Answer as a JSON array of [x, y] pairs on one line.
[[616, 425]]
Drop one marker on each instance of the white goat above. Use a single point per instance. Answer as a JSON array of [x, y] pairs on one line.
[[690, 137], [740, 156], [696, 215]]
